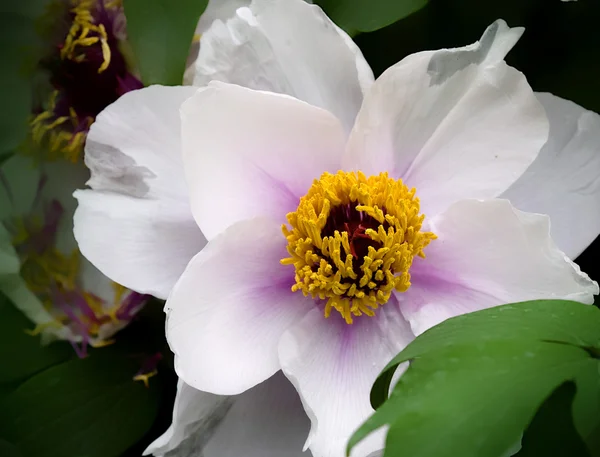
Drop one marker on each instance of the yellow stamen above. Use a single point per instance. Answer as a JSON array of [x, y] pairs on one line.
[[101, 344], [144, 377], [41, 327], [79, 34], [326, 262]]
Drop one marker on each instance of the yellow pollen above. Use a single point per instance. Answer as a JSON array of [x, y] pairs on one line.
[[61, 143], [352, 241], [84, 32]]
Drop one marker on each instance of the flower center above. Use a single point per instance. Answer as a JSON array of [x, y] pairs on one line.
[[353, 239], [89, 71]]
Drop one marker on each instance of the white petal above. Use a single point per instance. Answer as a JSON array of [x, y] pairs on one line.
[[266, 421], [14, 287], [288, 47], [144, 244], [196, 415], [135, 225], [455, 123], [333, 366], [489, 253], [227, 312], [218, 10], [250, 153], [564, 181], [134, 146]]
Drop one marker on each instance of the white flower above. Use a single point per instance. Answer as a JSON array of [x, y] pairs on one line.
[[65, 296], [459, 125]]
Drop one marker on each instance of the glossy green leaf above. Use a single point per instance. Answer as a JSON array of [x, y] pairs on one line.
[[554, 320], [83, 407], [552, 432], [368, 15], [161, 32], [21, 354], [476, 398]]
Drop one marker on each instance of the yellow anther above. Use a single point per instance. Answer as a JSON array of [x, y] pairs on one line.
[[41, 327], [101, 344], [352, 241], [144, 377]]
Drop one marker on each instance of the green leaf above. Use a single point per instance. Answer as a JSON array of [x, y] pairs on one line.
[[160, 33], [21, 354], [475, 398], [16, 35], [552, 431], [5, 156], [368, 15], [555, 320], [82, 408], [8, 449]]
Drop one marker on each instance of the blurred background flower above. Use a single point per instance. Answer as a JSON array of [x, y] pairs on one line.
[[86, 70]]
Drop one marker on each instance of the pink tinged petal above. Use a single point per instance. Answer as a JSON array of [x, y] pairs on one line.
[[287, 47], [564, 181], [251, 154], [487, 254], [455, 123], [142, 244], [135, 224], [333, 366], [227, 312]]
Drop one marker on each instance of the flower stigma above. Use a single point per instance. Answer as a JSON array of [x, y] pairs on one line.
[[353, 239]]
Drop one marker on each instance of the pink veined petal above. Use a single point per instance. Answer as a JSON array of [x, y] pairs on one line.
[[564, 180], [135, 223], [288, 47], [228, 310], [253, 154], [455, 123], [487, 254], [333, 366]]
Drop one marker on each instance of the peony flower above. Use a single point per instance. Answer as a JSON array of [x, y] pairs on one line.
[[343, 217], [55, 287], [90, 68], [59, 290]]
